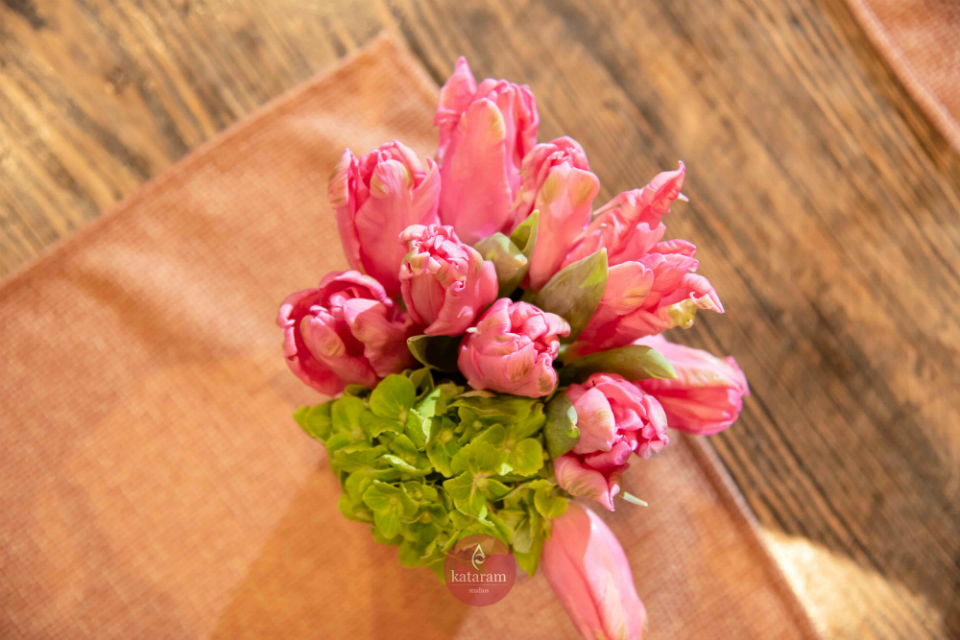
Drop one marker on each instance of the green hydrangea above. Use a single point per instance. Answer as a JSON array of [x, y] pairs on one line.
[[426, 463]]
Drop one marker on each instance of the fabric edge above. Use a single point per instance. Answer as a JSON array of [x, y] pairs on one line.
[[269, 110], [928, 102], [735, 502]]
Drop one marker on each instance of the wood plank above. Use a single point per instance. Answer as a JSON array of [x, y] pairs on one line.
[[824, 204]]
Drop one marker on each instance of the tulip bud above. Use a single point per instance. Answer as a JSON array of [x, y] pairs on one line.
[[589, 572], [444, 282], [377, 197], [706, 397], [347, 331], [555, 180], [511, 349], [485, 132]]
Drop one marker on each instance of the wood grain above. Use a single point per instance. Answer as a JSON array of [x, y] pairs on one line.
[[825, 207]]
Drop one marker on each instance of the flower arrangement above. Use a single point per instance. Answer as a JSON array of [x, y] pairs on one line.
[[495, 349]]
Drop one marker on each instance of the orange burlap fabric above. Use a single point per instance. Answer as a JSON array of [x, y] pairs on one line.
[[921, 41], [152, 481]]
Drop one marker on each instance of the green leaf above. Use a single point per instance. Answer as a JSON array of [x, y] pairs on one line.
[[375, 426], [471, 489], [443, 445], [356, 390], [530, 561], [439, 352], [353, 457], [418, 429], [408, 458], [478, 457], [526, 458], [467, 498], [548, 505], [524, 237], [390, 505], [393, 398], [422, 379], [435, 402], [574, 292], [560, 431], [351, 500], [495, 409], [633, 362], [523, 457], [507, 258], [315, 420]]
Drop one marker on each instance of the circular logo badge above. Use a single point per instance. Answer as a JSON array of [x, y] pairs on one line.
[[479, 570]]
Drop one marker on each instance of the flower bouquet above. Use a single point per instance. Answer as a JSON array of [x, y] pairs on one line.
[[494, 350]]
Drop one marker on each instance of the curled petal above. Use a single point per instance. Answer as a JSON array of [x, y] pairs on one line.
[[585, 482]]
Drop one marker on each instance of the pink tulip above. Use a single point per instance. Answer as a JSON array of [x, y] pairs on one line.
[[556, 179], [377, 197], [347, 331], [485, 132], [630, 225], [511, 349], [706, 396], [589, 572], [645, 297], [444, 282], [616, 419]]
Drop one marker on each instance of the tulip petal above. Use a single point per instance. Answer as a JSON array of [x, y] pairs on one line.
[[598, 428], [476, 195], [584, 482], [339, 192]]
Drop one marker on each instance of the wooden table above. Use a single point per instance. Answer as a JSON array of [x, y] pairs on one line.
[[824, 204]]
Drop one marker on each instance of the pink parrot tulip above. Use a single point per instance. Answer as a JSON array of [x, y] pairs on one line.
[[648, 296], [556, 180], [616, 419], [511, 349], [444, 282], [589, 572], [377, 197], [347, 331], [630, 225], [485, 132], [706, 397]]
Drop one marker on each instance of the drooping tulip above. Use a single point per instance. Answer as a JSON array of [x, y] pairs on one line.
[[631, 223], [444, 282], [511, 349], [706, 397], [579, 480], [589, 572], [346, 331], [377, 197], [485, 132], [556, 180], [648, 296]]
